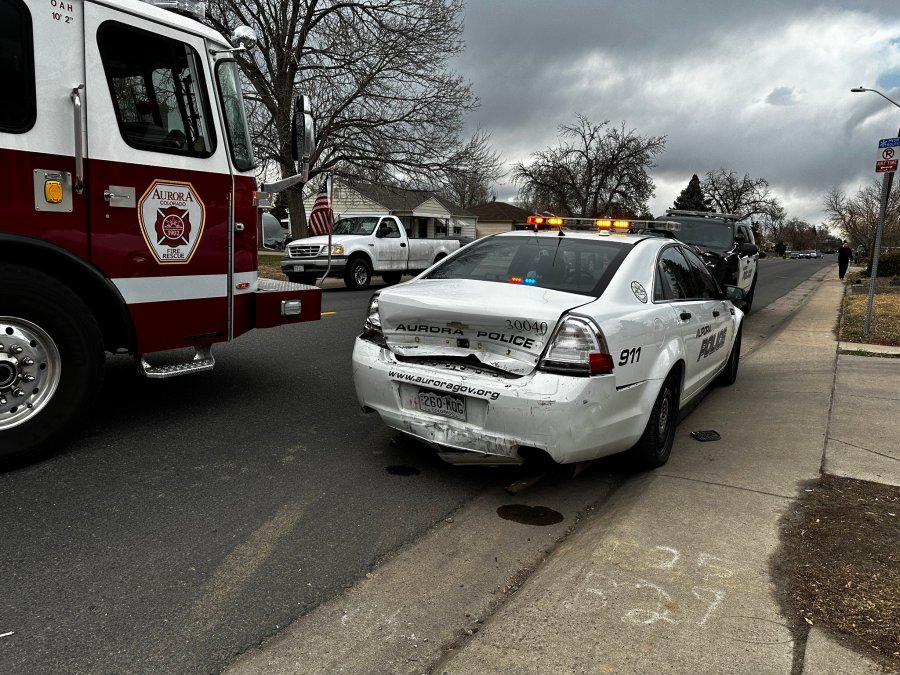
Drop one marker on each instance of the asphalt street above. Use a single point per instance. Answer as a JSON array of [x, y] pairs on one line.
[[197, 516]]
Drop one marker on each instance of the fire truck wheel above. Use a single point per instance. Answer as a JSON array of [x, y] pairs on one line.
[[51, 360], [358, 274]]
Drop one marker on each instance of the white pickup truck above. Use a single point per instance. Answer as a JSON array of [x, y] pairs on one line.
[[363, 245]]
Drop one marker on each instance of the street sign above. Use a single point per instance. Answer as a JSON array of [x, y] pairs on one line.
[[888, 155]]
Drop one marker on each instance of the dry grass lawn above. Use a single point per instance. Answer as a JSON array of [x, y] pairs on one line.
[[885, 329]]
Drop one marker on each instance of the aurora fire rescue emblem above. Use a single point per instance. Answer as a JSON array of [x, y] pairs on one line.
[[172, 218]]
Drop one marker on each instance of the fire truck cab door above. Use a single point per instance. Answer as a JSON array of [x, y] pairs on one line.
[[159, 185]]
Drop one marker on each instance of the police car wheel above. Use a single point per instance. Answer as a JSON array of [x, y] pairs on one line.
[[655, 445], [51, 360], [748, 300], [728, 376]]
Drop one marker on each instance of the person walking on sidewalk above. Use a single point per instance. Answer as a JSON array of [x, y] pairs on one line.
[[845, 255]]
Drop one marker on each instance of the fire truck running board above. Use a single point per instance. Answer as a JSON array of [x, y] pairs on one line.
[[203, 360]]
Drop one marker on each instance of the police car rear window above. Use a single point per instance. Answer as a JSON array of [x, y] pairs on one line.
[[568, 264], [18, 111]]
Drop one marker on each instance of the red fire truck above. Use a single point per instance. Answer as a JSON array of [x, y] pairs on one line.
[[129, 210]]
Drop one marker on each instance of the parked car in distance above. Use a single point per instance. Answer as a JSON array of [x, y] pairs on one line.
[[546, 346], [796, 254]]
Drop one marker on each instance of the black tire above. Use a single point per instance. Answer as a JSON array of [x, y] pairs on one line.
[[43, 322], [729, 374], [655, 445], [748, 300], [358, 274], [308, 279], [391, 278]]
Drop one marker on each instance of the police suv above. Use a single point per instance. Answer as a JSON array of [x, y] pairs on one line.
[[564, 344], [728, 247]]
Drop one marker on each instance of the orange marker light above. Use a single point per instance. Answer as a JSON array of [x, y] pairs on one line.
[[53, 191], [622, 224], [603, 223]]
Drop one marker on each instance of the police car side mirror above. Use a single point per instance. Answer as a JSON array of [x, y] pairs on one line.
[[749, 248], [735, 293]]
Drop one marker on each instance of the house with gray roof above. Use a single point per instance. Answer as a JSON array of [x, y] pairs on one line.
[[494, 217]]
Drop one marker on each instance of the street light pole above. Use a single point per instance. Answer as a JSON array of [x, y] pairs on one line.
[[879, 228]]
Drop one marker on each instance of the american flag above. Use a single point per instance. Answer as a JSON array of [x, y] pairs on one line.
[[321, 218]]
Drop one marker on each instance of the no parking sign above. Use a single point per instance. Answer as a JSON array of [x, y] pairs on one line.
[[888, 154]]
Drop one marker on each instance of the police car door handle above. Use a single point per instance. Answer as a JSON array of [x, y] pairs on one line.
[[685, 316]]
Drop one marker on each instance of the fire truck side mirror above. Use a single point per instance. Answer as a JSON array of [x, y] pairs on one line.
[[244, 37], [303, 131]]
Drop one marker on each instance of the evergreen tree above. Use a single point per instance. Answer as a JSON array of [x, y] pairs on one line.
[[691, 198]]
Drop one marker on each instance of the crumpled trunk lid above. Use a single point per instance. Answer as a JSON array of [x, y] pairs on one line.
[[505, 326]]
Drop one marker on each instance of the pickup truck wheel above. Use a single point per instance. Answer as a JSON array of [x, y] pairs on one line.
[[655, 445], [358, 274], [51, 360], [391, 278]]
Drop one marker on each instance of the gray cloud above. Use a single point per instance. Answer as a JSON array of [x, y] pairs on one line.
[[782, 96], [710, 76]]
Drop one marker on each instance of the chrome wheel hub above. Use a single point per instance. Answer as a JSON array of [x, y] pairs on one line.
[[29, 370]]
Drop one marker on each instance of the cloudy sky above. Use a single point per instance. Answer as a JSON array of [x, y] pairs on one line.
[[759, 87]]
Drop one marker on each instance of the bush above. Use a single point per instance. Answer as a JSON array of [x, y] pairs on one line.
[[888, 265]]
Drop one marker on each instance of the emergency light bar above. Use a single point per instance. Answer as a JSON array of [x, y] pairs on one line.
[[192, 8], [703, 214], [604, 225]]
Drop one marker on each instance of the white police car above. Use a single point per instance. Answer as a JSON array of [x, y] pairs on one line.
[[562, 343]]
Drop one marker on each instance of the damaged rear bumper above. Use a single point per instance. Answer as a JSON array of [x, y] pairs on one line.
[[572, 419]]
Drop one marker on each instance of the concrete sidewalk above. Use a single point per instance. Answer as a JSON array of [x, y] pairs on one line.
[[673, 575]]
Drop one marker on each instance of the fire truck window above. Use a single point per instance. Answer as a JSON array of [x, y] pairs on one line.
[[158, 91], [232, 100], [17, 104]]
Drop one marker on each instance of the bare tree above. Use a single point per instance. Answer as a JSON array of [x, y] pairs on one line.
[[856, 218], [473, 171], [744, 197], [386, 101], [596, 170], [771, 223]]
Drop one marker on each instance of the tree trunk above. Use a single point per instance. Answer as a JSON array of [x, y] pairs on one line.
[[294, 198]]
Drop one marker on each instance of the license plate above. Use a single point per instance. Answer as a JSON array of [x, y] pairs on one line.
[[442, 404], [298, 268]]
